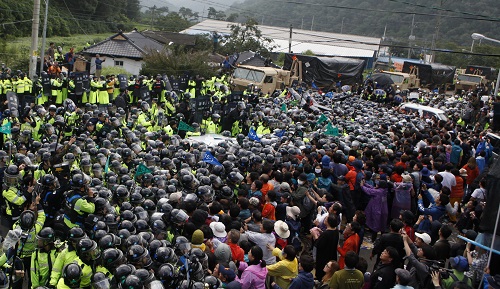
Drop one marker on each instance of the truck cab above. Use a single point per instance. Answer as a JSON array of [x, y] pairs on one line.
[[465, 81], [268, 79], [403, 81]]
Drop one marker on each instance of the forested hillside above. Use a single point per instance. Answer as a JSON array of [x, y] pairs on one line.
[[456, 19], [68, 17]]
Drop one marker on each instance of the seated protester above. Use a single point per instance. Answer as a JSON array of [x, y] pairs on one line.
[[286, 269], [305, 279], [459, 265], [419, 262]]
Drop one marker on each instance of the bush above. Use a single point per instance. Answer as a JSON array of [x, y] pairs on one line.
[[113, 71], [177, 62]]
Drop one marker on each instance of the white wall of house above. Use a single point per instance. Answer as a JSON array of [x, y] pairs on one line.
[[131, 66]]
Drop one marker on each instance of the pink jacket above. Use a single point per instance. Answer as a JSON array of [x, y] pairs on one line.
[[253, 277]]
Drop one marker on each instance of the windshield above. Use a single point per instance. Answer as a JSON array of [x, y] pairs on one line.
[[469, 78], [442, 116], [396, 78], [250, 75]]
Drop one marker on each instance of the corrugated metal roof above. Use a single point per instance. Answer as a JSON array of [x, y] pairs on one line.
[[167, 37], [323, 43]]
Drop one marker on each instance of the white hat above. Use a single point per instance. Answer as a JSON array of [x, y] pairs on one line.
[[218, 229], [281, 229], [463, 172], [425, 237], [293, 212]]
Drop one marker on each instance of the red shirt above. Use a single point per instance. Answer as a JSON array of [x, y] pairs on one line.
[[350, 244], [268, 211], [236, 252]]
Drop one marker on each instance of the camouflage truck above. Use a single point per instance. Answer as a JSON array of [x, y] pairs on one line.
[[268, 79]]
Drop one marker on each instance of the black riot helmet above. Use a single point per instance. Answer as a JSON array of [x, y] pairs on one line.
[[50, 181], [168, 274], [133, 282], [100, 281], [75, 235], [112, 258], [122, 272], [27, 220], [45, 237], [87, 250], [72, 275]]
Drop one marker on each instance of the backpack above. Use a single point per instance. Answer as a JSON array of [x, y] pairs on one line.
[[307, 204]]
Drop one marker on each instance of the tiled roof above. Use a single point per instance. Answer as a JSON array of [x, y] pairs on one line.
[[130, 45]]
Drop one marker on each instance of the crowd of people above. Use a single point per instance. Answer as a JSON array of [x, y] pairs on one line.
[[119, 194]]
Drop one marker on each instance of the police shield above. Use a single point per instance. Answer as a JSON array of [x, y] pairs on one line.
[[13, 103], [145, 94], [86, 82], [79, 84], [122, 79], [47, 90], [168, 86]]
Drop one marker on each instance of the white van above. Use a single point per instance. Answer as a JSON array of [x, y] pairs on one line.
[[423, 110]]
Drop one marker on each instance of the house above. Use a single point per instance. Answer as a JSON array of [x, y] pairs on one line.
[[127, 50], [124, 50]]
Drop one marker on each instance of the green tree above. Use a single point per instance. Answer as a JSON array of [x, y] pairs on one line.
[[177, 61], [214, 14], [133, 9], [172, 22], [188, 14], [232, 17], [247, 36]]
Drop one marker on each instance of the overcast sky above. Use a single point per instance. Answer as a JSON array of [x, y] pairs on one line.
[[195, 5]]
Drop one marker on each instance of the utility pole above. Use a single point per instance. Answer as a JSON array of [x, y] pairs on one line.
[[342, 26], [44, 35], [412, 37], [152, 16], [290, 39], [302, 25], [35, 26], [312, 23]]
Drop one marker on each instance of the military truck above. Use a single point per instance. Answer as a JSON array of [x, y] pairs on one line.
[[403, 81], [473, 76], [321, 72], [268, 79], [465, 81]]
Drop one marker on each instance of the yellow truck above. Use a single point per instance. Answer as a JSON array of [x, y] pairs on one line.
[[268, 79], [466, 80], [403, 81]]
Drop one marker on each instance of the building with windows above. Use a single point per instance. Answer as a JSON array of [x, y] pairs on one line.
[[127, 50]]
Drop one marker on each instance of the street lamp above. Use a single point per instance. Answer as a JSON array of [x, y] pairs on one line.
[[477, 36]]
